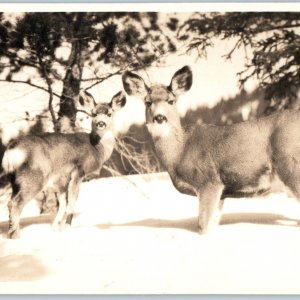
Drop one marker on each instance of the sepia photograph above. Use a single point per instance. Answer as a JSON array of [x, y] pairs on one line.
[[150, 148]]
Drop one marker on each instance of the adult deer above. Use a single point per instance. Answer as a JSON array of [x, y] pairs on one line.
[[59, 162], [215, 162]]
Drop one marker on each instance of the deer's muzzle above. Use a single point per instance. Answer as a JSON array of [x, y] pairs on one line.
[[159, 119]]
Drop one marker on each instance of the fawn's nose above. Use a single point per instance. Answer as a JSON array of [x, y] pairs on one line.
[[159, 119]]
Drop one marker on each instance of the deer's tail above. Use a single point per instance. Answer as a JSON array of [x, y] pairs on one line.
[[13, 158]]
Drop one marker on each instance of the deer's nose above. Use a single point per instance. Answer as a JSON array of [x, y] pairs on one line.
[[159, 119]]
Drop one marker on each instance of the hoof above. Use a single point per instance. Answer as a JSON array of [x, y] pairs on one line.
[[57, 227], [13, 235], [205, 231], [69, 219], [65, 226]]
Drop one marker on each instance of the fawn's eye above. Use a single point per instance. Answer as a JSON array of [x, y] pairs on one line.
[[171, 102], [109, 114], [148, 103], [101, 125]]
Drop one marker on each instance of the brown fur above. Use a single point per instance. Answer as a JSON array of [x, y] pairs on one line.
[[58, 162], [215, 162]]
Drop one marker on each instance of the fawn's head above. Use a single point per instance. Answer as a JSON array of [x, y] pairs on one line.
[[160, 100], [102, 114]]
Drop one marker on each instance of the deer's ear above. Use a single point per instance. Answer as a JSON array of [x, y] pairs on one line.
[[86, 100], [118, 101], [181, 81], [134, 85]]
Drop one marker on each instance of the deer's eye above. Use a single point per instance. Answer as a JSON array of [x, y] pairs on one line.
[[171, 102], [148, 103], [109, 114], [101, 125]]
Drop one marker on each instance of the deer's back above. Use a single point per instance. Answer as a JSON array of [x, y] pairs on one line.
[[243, 154], [51, 152]]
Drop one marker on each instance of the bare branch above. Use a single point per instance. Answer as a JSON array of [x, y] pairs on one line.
[[101, 79], [28, 83]]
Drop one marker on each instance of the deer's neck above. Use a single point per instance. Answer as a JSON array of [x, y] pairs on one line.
[[104, 145], [108, 143], [169, 144]]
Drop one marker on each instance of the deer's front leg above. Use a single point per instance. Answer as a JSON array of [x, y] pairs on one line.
[[210, 207], [58, 222], [73, 191]]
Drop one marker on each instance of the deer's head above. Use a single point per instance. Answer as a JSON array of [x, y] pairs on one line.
[[160, 100], [102, 114]]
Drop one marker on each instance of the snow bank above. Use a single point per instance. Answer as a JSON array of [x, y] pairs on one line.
[[138, 235]]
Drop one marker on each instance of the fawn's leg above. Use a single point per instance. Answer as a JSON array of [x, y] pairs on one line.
[[62, 186], [62, 205], [210, 207], [73, 191], [15, 207], [41, 199], [25, 186], [48, 202]]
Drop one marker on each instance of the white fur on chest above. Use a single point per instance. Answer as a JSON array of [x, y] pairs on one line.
[[159, 130], [168, 143], [108, 143]]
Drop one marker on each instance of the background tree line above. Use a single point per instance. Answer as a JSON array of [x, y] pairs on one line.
[[30, 53]]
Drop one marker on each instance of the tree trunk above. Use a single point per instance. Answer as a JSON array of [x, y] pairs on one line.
[[71, 84]]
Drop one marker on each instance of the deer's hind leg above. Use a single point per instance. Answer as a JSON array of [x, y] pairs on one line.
[[288, 171], [25, 186], [210, 207], [286, 157]]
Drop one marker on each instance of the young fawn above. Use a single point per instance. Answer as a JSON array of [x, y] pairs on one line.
[[215, 162], [59, 162]]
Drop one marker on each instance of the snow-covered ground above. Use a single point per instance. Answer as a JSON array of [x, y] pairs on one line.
[[137, 234]]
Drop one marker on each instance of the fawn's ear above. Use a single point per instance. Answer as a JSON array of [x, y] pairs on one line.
[[86, 100], [181, 81], [118, 101], [134, 85]]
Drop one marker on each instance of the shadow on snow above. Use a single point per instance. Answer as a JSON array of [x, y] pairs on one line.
[[21, 268], [191, 224]]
